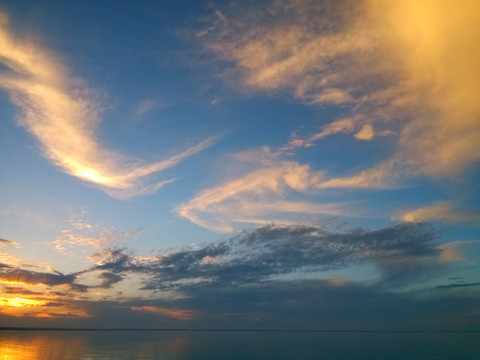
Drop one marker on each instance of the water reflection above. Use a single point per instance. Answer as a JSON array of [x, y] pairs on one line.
[[73, 345], [28, 346], [149, 345]]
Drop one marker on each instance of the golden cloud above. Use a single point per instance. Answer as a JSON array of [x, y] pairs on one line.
[[62, 115], [408, 65]]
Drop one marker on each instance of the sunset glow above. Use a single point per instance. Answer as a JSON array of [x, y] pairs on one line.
[[274, 164]]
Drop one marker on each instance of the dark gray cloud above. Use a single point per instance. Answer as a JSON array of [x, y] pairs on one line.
[[19, 290], [323, 304], [109, 279], [232, 283], [31, 277], [303, 304], [272, 250], [34, 277], [117, 261], [253, 256]]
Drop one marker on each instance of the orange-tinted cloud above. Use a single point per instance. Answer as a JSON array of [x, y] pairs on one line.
[[460, 250], [179, 314], [39, 308], [440, 211], [406, 67]]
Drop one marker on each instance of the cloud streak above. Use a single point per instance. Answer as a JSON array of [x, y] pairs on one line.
[[63, 117], [179, 314], [259, 196]]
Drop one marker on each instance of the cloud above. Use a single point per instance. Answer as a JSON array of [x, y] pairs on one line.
[[343, 125], [450, 286], [242, 282], [261, 195], [15, 275], [41, 307], [6, 259], [4, 242], [320, 304], [460, 250], [301, 305], [83, 236], [366, 133], [404, 67], [440, 211], [63, 117], [275, 192], [254, 256], [180, 314], [146, 106]]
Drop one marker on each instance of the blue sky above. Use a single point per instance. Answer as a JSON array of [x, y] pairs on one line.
[[182, 164]]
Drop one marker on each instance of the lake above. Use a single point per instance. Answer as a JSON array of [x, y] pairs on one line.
[[252, 345]]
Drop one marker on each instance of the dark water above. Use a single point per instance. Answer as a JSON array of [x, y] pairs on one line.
[[211, 345]]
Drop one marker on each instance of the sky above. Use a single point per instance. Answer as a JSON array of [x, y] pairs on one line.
[[300, 164]]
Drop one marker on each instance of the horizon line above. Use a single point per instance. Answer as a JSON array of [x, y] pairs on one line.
[[27, 328]]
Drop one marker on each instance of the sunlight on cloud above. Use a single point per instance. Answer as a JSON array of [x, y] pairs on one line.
[[460, 250], [257, 196], [366, 133], [339, 126], [406, 69], [409, 65], [40, 308], [27, 293], [5, 257], [60, 113], [440, 211]]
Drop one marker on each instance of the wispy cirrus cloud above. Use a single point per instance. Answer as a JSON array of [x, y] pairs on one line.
[[62, 115], [7, 259], [82, 236], [403, 68], [260, 196], [383, 74], [147, 106]]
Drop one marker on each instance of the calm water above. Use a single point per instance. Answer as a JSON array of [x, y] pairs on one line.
[[143, 345]]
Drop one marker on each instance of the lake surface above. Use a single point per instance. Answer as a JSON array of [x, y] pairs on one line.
[[252, 345]]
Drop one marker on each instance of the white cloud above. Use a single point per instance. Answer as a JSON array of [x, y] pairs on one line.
[[61, 114], [82, 236], [260, 196]]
